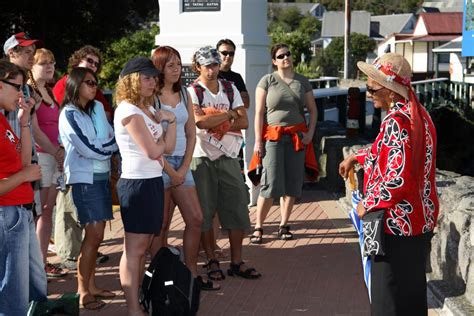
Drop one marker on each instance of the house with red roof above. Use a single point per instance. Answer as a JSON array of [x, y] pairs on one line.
[[431, 30]]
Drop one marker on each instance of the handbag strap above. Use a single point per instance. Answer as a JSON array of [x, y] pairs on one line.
[[287, 88]]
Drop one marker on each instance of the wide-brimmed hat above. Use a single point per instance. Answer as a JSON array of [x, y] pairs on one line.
[[20, 39], [207, 55], [142, 65], [391, 71]]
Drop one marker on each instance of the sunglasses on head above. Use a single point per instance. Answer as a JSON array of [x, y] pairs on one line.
[[91, 83], [281, 56], [226, 53], [372, 90], [17, 86], [93, 62]]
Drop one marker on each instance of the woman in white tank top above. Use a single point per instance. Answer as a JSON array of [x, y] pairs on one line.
[[178, 181]]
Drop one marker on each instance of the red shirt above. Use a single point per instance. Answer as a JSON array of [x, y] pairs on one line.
[[389, 181], [60, 88], [10, 163]]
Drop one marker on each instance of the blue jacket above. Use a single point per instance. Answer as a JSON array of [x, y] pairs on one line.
[[82, 145]]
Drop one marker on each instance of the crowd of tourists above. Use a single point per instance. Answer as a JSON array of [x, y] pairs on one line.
[[182, 147]]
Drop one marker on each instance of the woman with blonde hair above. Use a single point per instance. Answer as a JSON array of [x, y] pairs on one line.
[[50, 155], [399, 189], [142, 143]]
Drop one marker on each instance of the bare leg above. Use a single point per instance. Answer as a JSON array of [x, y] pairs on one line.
[[44, 223], [135, 246], [286, 206], [87, 258], [187, 200], [263, 207], [162, 240]]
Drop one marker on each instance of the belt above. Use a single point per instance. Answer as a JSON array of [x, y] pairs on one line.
[[28, 206]]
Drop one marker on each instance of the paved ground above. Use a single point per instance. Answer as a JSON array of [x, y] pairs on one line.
[[317, 273]]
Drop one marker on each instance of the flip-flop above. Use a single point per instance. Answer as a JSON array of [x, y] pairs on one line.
[[105, 294], [92, 304], [208, 285]]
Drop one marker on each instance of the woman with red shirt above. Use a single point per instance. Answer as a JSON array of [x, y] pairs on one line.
[[22, 276], [399, 179]]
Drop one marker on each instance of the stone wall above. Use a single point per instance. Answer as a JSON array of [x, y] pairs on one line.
[[451, 263]]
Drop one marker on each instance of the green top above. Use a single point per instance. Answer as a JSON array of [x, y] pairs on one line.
[[281, 107]]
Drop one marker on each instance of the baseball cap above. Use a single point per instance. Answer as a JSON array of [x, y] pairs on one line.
[[142, 65], [21, 39], [207, 55]]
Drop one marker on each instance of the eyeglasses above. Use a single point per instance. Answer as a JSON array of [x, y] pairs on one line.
[[91, 83], [93, 62], [226, 53], [372, 90], [17, 86], [282, 56]]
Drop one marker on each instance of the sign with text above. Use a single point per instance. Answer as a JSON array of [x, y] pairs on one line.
[[201, 5], [468, 29], [187, 75]]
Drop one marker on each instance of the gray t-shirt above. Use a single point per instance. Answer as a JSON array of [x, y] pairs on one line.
[[281, 107]]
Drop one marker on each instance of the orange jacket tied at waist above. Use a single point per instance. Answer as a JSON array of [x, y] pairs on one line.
[[274, 133]]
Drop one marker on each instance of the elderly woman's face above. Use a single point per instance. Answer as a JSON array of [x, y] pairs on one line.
[[379, 95]]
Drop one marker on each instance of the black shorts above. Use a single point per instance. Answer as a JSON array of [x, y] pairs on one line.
[[141, 204]]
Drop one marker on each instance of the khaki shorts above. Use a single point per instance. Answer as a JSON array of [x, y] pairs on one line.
[[283, 169], [221, 189], [49, 170]]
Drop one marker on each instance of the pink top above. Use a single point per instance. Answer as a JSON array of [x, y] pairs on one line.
[[48, 121]]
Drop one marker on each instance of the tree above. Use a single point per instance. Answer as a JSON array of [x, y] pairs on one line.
[[65, 26], [361, 45], [120, 51], [310, 26]]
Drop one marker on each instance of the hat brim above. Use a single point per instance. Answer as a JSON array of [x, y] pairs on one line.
[[381, 79], [152, 72], [37, 43]]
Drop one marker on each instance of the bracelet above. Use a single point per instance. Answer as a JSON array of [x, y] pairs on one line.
[[26, 126]]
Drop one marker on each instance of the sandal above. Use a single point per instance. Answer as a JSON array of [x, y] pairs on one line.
[[254, 239], [208, 285], [249, 273], [92, 304], [284, 232], [212, 272]]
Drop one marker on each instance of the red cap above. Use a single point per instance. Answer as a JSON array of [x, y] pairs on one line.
[[21, 39]]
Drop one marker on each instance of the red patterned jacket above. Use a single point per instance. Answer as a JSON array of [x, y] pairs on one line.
[[389, 181]]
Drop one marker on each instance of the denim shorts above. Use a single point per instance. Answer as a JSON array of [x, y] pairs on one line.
[[141, 204], [22, 276], [93, 201], [176, 162]]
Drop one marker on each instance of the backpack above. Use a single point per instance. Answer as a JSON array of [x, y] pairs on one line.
[[228, 90], [168, 287]]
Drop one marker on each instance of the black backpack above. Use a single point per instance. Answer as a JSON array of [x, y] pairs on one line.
[[168, 287]]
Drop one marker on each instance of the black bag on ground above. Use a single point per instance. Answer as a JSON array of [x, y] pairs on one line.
[[168, 287]]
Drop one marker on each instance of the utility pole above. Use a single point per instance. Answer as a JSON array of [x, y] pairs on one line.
[[347, 38]]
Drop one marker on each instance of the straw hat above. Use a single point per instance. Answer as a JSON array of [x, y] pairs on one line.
[[391, 71]]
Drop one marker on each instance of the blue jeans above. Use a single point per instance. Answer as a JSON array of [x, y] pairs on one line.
[[176, 162], [22, 275]]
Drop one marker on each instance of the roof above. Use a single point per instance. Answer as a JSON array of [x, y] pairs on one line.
[[302, 7], [333, 23], [451, 47], [429, 38], [384, 25], [442, 22], [444, 5]]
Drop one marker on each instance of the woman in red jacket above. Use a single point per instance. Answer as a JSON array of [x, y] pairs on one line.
[[399, 179]]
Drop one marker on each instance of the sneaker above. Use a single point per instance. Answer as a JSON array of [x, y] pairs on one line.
[[54, 271], [69, 264], [101, 258]]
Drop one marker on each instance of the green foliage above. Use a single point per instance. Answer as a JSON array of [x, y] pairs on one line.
[[310, 26], [332, 59], [378, 7], [298, 42], [120, 51]]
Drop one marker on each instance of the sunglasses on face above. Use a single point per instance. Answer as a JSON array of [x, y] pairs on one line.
[[226, 53], [91, 83], [372, 90], [17, 86], [93, 62], [282, 56]]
